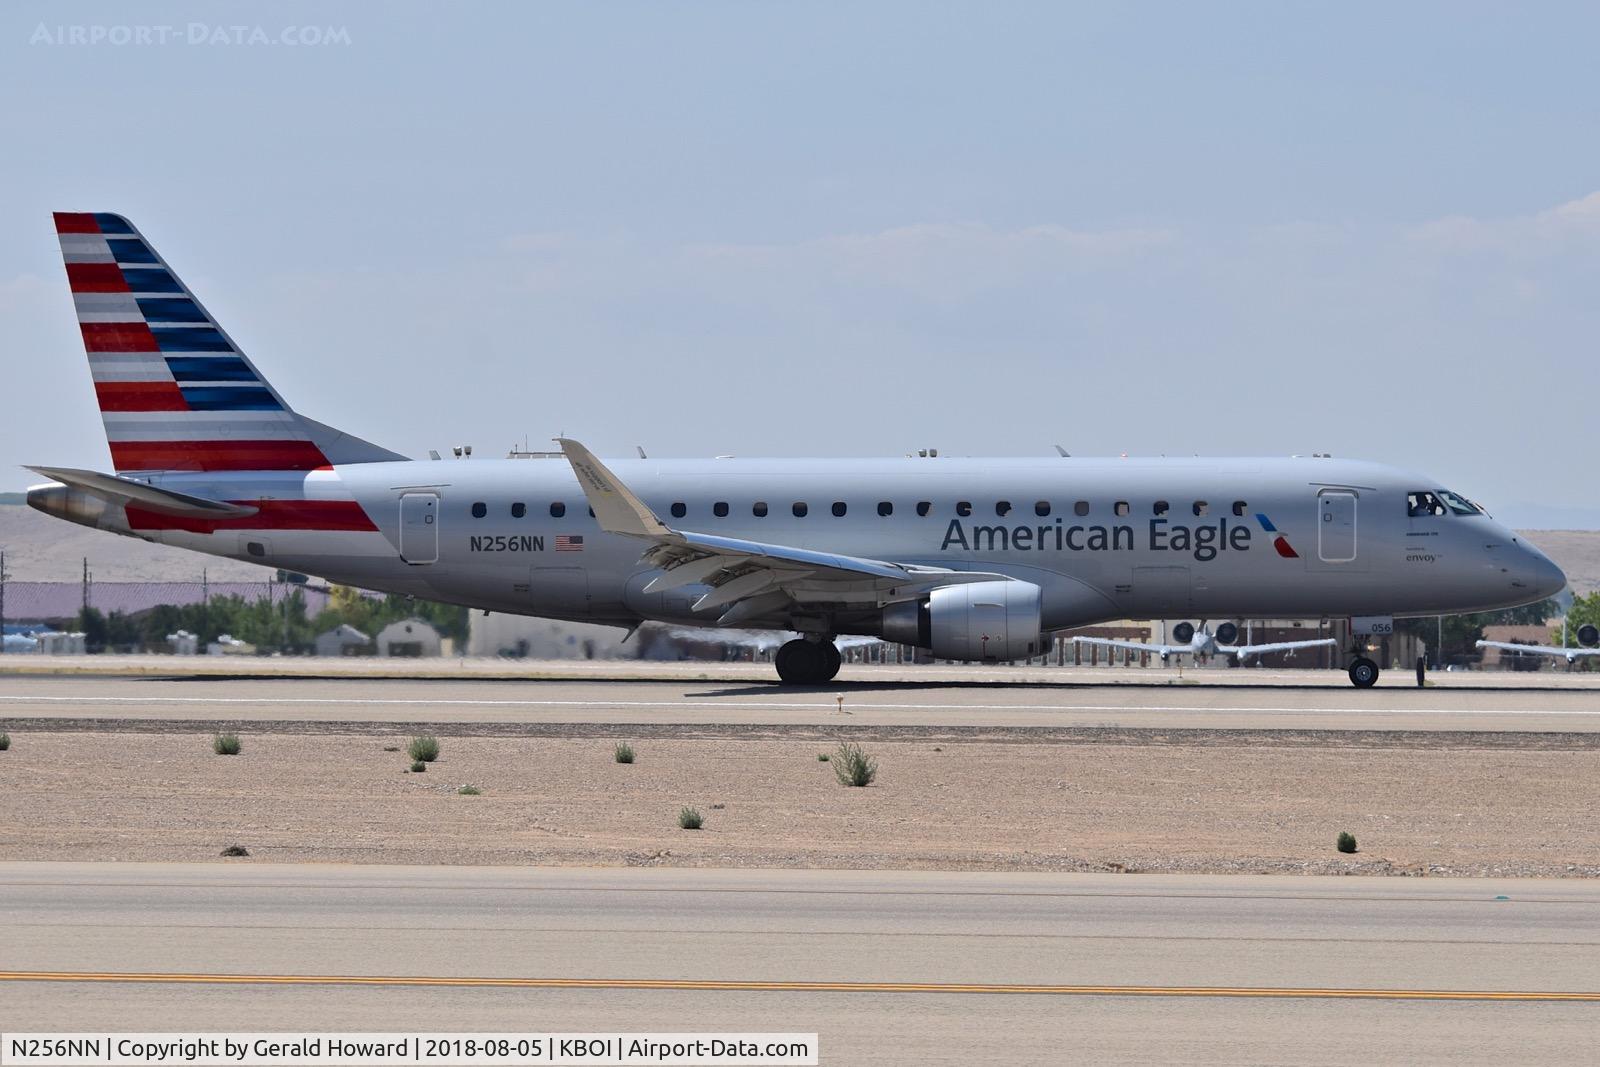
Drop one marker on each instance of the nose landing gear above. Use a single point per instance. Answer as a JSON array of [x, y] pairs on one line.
[[807, 662], [1363, 672]]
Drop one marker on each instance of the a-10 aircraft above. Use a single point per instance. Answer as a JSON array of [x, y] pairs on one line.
[[1202, 642], [1588, 637], [971, 559]]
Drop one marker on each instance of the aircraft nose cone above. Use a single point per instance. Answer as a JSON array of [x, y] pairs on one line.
[[1538, 574]]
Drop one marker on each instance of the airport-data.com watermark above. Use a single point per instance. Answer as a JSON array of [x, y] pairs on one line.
[[197, 34]]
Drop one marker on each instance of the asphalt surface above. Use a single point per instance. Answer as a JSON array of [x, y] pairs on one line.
[[870, 697], [1026, 968]]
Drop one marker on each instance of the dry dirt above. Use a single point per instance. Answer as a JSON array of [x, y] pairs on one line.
[[1492, 804]]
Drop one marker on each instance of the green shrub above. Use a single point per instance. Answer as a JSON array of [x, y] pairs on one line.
[[689, 819], [5, 742], [852, 766], [822, 757], [470, 791], [623, 753], [423, 749], [417, 767], [1346, 842], [226, 744]]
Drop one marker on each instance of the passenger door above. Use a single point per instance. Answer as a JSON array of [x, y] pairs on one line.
[[1336, 526], [419, 528]]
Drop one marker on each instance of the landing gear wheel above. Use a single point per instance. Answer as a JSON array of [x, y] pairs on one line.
[[1363, 673], [830, 661], [802, 662]]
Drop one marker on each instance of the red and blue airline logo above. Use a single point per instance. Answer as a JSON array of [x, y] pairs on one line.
[[1279, 542]]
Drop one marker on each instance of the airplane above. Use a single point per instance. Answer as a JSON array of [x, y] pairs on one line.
[[971, 559], [1202, 642], [1588, 638]]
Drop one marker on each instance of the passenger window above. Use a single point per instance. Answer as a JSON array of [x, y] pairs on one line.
[[679, 509], [1160, 507], [1041, 508], [1240, 508], [720, 509], [924, 507], [838, 509], [479, 510], [1081, 508], [799, 509], [1421, 502], [557, 510], [518, 510], [1200, 508], [1002, 508], [963, 508], [885, 508], [591, 513], [759, 509], [1121, 507]]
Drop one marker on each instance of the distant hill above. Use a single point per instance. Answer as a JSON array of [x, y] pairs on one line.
[[1577, 552], [13, 498], [41, 549]]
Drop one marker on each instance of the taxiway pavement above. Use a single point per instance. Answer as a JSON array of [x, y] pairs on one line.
[[863, 697], [1028, 968]]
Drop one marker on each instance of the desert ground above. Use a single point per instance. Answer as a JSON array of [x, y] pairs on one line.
[[1138, 801]]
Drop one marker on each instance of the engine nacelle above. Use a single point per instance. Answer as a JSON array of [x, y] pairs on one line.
[[1589, 635], [978, 621]]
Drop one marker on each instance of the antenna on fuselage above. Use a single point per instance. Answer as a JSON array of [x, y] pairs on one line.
[[1063, 453]]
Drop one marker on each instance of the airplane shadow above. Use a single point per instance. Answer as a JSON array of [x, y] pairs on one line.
[[768, 688]]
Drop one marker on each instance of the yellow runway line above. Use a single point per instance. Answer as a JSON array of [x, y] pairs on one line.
[[1269, 992]]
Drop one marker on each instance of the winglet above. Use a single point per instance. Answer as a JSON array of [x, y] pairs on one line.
[[615, 507]]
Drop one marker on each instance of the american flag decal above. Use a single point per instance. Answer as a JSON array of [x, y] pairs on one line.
[[569, 542]]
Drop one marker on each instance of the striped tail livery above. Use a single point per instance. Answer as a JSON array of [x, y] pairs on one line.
[[176, 393]]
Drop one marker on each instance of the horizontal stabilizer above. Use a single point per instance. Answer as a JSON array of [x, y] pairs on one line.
[[118, 490]]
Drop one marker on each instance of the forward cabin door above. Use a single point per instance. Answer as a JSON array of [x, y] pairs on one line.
[[419, 528], [1336, 526]]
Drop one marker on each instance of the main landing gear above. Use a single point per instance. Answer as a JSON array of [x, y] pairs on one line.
[[807, 662], [1363, 672]]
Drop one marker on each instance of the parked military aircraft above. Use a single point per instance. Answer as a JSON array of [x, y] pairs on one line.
[[1588, 638], [973, 559], [1202, 642]]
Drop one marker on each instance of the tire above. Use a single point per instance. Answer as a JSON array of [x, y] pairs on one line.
[[831, 661], [800, 662], [1363, 673]]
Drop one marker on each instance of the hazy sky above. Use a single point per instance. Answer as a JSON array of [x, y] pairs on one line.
[[845, 229]]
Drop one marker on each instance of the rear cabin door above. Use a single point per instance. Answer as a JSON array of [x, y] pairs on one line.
[[419, 528], [1336, 526]]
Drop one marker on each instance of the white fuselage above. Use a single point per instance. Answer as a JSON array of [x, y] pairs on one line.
[[1103, 538]]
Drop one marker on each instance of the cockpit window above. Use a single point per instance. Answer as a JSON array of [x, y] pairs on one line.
[[1420, 502], [1459, 504]]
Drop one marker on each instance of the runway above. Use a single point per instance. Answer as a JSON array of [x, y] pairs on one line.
[[1317, 701], [888, 967]]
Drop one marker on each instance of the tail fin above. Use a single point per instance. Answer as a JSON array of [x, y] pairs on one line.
[[175, 392]]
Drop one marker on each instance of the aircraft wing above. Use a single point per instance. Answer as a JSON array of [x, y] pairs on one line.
[[760, 640], [1246, 651], [1568, 654], [749, 579], [1137, 646]]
